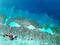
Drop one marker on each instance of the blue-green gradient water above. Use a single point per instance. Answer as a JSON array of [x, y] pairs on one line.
[[41, 11]]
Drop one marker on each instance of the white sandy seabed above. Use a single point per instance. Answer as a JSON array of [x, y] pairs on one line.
[[7, 41]]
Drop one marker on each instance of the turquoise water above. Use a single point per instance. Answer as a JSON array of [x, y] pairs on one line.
[[39, 11]]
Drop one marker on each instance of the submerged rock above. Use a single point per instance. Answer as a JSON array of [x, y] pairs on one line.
[[23, 22], [4, 29], [2, 19], [29, 32]]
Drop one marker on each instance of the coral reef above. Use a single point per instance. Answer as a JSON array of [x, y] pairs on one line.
[[28, 32]]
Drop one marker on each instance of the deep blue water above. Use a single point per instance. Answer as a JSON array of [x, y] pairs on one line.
[[50, 7]]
